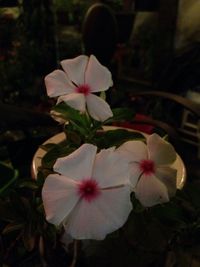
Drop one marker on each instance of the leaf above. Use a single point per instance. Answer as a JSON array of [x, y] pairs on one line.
[[29, 240], [73, 137], [7, 212], [192, 191], [66, 111], [56, 152], [48, 146], [7, 178], [21, 206], [70, 114], [31, 184], [103, 95], [121, 114], [116, 137], [12, 227], [170, 214], [6, 173], [137, 206], [50, 234]]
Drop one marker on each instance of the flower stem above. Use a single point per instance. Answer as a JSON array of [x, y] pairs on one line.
[[73, 264]]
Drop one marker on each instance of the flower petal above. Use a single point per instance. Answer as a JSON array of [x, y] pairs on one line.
[[79, 164], [98, 108], [74, 100], [134, 151], [160, 151], [75, 68], [150, 191], [167, 175], [59, 197], [96, 219], [110, 169], [57, 83], [97, 76], [135, 173]]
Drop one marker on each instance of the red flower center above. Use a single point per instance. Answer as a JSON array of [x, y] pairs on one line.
[[88, 189], [147, 167], [83, 89]]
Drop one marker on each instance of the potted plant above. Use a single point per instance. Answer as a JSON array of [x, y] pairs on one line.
[[98, 190]]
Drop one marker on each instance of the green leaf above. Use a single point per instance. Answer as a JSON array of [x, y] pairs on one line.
[[31, 184], [6, 173], [7, 212], [70, 114], [192, 191], [48, 146], [8, 176], [66, 111], [41, 176], [103, 95], [169, 214], [12, 227], [21, 206], [116, 137], [56, 152], [137, 206], [74, 137], [121, 114]]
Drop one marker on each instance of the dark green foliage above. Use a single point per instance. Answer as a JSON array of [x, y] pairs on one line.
[[31, 52], [116, 137]]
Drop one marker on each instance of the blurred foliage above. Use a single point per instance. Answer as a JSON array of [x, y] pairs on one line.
[[28, 51], [34, 36]]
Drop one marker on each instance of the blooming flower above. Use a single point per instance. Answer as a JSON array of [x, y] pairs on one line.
[[89, 194], [82, 76], [152, 178]]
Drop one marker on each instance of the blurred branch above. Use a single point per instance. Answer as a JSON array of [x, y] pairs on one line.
[[183, 101]]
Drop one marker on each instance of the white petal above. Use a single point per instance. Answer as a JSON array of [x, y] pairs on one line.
[[98, 108], [135, 173], [167, 175], [75, 68], [57, 83], [110, 169], [134, 151], [79, 164], [94, 220], [150, 191], [160, 151], [74, 100], [97, 76], [59, 197]]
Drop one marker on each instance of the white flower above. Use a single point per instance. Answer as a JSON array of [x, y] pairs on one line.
[[152, 178], [82, 76], [89, 194]]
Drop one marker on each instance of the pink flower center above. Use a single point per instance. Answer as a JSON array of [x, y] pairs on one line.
[[88, 189], [83, 89], [147, 167]]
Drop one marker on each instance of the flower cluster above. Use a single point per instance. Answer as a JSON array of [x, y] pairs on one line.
[[89, 192]]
